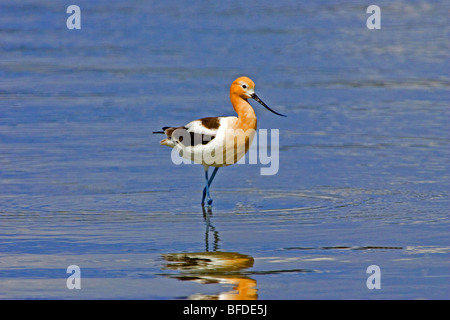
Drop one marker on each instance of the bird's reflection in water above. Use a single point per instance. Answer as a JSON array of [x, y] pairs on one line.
[[207, 213], [214, 267]]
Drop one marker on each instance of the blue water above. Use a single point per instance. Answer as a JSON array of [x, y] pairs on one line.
[[364, 152]]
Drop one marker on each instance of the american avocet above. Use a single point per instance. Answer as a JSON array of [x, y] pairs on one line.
[[218, 141]]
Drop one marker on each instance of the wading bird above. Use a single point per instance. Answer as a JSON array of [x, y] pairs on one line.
[[218, 141]]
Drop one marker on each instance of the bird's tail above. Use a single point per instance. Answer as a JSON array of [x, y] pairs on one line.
[[167, 141], [164, 131]]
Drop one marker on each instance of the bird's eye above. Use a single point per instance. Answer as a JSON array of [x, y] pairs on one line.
[[244, 86]]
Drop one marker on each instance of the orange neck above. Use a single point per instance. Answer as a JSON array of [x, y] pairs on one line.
[[246, 114]]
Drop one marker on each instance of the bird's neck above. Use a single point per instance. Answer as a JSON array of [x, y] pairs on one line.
[[246, 114]]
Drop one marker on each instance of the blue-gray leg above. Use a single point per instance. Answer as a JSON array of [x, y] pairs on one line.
[[206, 190], [207, 184]]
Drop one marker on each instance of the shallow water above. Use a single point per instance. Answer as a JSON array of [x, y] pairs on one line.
[[363, 175]]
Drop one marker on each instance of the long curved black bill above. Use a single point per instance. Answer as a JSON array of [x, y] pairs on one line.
[[254, 96]]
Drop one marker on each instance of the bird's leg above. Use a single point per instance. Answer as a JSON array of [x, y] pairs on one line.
[[206, 189], [212, 176], [207, 184]]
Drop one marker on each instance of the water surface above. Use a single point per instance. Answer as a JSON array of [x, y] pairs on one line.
[[363, 176]]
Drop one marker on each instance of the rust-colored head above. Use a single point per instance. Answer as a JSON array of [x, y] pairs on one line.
[[244, 88]]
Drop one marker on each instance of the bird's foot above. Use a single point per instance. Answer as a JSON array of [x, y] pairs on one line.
[[209, 201]]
